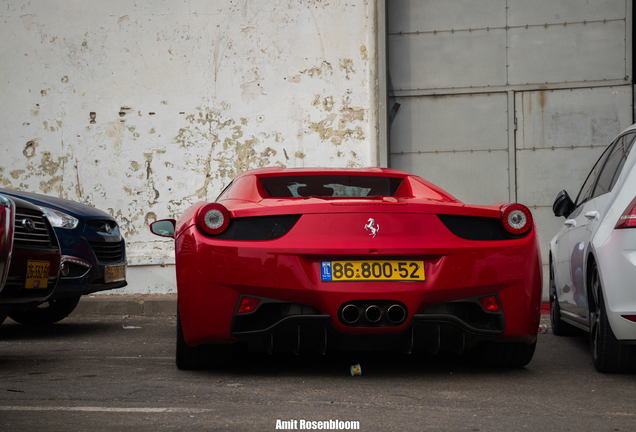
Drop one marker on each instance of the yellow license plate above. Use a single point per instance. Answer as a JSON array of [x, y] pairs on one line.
[[37, 275], [115, 273], [345, 271]]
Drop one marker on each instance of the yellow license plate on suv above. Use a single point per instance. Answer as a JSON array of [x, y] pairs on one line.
[[37, 275], [115, 273], [349, 271]]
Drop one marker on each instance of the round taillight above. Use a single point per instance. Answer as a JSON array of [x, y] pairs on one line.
[[516, 218], [213, 218]]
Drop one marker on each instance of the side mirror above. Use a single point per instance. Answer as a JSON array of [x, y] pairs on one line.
[[563, 204], [163, 227]]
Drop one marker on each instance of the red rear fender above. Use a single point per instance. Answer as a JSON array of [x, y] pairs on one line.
[[188, 218]]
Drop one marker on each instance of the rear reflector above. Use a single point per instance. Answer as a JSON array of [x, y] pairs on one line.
[[630, 317], [490, 303], [628, 218], [248, 304]]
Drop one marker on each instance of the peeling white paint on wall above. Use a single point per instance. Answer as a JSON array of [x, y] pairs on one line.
[[142, 108]]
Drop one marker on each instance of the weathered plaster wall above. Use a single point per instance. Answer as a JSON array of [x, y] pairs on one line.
[[142, 107]]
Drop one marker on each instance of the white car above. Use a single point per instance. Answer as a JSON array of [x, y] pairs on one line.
[[593, 259]]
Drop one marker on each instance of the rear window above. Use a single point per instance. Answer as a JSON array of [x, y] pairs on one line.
[[337, 186]]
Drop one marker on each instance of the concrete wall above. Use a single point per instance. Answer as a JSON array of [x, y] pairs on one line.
[[141, 108]]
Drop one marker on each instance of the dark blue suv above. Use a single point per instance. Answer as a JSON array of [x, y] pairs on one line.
[[93, 256]]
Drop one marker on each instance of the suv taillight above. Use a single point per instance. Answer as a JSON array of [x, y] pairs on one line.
[[628, 218]]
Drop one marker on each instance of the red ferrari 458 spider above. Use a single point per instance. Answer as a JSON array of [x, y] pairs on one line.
[[317, 259]]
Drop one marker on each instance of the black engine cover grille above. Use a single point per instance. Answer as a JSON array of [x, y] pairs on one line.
[[257, 228], [477, 228], [107, 251]]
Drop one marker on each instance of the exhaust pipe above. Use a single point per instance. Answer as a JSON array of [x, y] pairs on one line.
[[350, 314], [373, 313], [396, 314]]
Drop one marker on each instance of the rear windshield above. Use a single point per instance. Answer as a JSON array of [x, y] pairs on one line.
[[338, 186]]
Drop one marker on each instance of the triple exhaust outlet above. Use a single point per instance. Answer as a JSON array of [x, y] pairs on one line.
[[378, 313]]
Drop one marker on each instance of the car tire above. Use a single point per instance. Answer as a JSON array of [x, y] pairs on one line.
[[202, 356], [608, 355], [47, 313], [559, 327], [501, 354]]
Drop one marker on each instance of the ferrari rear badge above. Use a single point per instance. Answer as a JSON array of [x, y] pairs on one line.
[[372, 227]]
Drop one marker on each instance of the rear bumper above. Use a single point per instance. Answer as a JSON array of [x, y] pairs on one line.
[[429, 332], [314, 333], [212, 276]]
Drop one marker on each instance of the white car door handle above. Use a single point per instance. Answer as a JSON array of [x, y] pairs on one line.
[[591, 215], [570, 223]]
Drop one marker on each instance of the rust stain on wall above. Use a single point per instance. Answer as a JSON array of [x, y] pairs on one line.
[[218, 149], [116, 130], [344, 125], [29, 149], [542, 99], [50, 167], [17, 173], [128, 223], [347, 66], [363, 53], [325, 103], [324, 69], [54, 183], [5, 182], [79, 190], [351, 114], [150, 218]]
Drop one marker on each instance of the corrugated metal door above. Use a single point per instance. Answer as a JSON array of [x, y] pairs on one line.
[[487, 89], [560, 134], [459, 142]]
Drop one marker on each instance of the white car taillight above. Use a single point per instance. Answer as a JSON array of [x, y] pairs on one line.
[[628, 218], [516, 218], [213, 218]]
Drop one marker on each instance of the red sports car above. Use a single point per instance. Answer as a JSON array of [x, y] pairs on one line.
[[317, 259]]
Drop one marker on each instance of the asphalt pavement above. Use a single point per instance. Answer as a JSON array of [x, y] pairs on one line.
[[117, 372]]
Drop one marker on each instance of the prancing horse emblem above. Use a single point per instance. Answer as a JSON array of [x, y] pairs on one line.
[[370, 226]]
